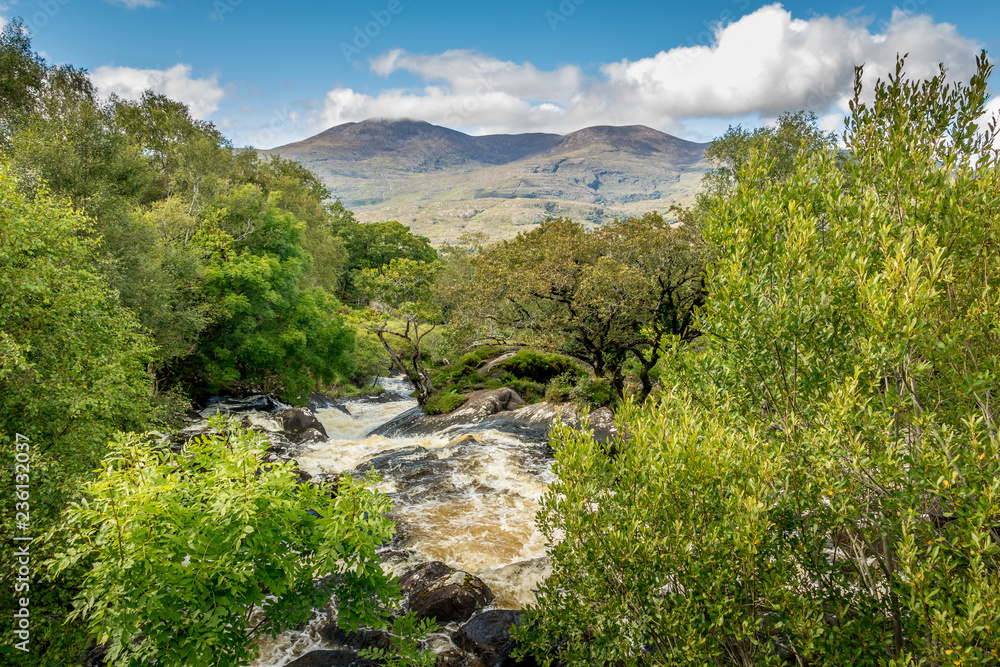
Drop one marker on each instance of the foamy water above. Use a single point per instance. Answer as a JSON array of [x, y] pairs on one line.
[[467, 497]]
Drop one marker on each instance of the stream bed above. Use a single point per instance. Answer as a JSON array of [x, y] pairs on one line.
[[466, 495]]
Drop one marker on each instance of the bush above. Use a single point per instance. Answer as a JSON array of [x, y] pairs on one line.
[[184, 568], [820, 483], [593, 392], [540, 367], [443, 402], [560, 389]]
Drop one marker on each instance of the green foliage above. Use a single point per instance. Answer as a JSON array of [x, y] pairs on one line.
[[371, 246], [443, 402], [402, 310], [560, 388], [594, 392], [783, 144], [268, 333], [21, 76], [224, 256], [405, 650], [184, 568], [72, 370], [821, 484], [527, 372], [603, 297], [539, 366]]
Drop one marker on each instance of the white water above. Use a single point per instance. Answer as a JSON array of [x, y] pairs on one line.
[[466, 498]]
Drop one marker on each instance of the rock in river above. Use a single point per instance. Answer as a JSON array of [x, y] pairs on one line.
[[434, 590]]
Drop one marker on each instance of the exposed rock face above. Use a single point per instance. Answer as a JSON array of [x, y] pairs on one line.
[[298, 422], [434, 590], [324, 658], [488, 635]]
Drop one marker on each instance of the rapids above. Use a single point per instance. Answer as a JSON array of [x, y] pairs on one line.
[[466, 496]]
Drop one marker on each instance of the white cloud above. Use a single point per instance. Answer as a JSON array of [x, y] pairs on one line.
[[133, 4], [762, 64], [202, 95], [991, 114]]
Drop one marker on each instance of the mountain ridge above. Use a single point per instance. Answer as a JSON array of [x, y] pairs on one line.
[[443, 182]]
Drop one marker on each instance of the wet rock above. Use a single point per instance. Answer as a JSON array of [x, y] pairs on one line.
[[318, 401], [393, 459], [327, 658], [255, 403], [408, 423], [451, 657], [434, 590], [539, 417], [311, 436], [481, 404], [488, 635], [360, 639], [486, 402], [296, 422]]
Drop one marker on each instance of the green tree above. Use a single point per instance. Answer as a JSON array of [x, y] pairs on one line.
[[370, 246], [793, 133], [602, 297], [268, 334], [72, 373], [402, 312], [22, 72], [821, 483], [194, 555]]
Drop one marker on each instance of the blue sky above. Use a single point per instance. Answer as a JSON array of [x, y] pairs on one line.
[[270, 73]]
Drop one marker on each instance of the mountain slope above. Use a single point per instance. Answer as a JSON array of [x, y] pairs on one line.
[[443, 182]]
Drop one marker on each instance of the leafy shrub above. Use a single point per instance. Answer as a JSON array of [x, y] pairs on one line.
[[443, 402], [820, 484], [593, 392], [560, 388], [184, 547], [540, 367]]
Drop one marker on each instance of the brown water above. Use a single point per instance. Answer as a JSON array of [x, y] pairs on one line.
[[465, 496]]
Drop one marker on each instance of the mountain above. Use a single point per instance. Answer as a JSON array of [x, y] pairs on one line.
[[442, 182]]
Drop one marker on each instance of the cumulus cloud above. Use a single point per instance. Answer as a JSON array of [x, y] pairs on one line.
[[202, 95], [763, 64]]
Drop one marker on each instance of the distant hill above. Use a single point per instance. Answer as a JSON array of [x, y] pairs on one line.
[[442, 182]]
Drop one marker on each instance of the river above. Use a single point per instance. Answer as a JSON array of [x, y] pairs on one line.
[[466, 495]]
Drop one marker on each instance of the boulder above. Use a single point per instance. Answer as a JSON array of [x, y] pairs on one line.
[[327, 658], [434, 590], [318, 401], [359, 639], [486, 402], [311, 436], [488, 635], [539, 417], [451, 657], [296, 422]]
